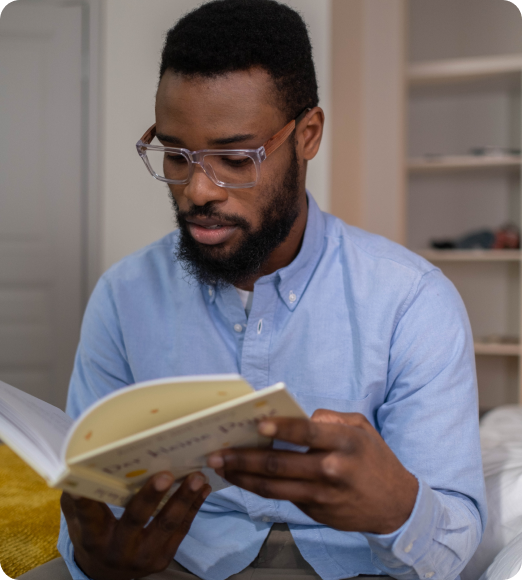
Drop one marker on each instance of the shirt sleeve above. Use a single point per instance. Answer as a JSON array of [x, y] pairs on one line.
[[100, 367], [430, 421]]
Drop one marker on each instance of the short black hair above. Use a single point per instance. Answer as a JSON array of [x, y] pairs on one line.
[[223, 36]]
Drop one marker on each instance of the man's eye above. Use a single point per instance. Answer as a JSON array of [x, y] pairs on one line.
[[236, 160], [175, 158]]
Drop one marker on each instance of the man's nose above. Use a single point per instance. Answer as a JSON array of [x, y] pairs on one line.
[[201, 189]]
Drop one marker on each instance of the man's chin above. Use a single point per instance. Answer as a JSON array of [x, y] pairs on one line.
[[214, 255], [219, 251]]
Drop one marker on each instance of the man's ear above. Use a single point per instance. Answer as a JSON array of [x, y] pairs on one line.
[[310, 133]]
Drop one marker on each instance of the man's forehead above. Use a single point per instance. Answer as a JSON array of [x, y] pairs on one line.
[[243, 98]]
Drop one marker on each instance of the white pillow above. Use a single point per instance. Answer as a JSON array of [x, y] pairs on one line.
[[501, 440], [507, 564]]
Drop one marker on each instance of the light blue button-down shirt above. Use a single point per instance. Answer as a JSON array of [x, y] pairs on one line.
[[355, 323]]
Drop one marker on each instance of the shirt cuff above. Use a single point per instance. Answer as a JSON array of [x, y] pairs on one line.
[[409, 546]]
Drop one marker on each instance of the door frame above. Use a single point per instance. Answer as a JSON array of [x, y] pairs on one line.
[[91, 156]]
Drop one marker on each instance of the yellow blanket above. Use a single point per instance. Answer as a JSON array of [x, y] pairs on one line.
[[29, 516]]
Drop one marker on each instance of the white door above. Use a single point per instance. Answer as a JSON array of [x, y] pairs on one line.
[[40, 196]]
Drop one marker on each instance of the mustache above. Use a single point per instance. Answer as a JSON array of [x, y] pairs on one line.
[[209, 211]]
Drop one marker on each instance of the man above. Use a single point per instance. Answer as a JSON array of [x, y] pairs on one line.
[[371, 340]]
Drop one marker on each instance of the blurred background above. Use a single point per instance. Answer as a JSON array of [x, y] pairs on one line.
[[422, 145]]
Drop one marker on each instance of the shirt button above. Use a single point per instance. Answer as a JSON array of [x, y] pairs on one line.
[[238, 328], [292, 297], [266, 519], [210, 291], [408, 548], [429, 575]]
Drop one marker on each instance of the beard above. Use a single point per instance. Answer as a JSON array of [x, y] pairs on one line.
[[211, 264]]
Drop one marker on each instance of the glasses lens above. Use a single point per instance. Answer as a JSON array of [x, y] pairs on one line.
[[172, 165], [231, 169]]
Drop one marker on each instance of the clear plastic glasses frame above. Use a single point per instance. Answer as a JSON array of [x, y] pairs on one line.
[[201, 157]]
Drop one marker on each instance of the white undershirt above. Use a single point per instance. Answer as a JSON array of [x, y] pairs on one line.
[[246, 299]]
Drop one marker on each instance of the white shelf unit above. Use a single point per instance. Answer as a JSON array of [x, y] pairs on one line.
[[454, 105], [447, 162], [471, 255], [482, 348], [464, 69], [438, 256]]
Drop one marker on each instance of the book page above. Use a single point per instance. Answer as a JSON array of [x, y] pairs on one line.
[[146, 405], [40, 421], [30, 448], [182, 446]]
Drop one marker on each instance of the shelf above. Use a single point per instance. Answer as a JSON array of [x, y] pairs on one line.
[[496, 349], [471, 255], [449, 162], [464, 69], [456, 108]]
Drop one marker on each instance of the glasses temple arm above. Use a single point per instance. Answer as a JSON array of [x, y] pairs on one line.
[[149, 135], [270, 146], [279, 138]]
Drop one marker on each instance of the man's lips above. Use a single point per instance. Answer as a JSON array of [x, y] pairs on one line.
[[210, 231]]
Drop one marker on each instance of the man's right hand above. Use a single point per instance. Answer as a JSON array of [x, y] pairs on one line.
[[106, 548]]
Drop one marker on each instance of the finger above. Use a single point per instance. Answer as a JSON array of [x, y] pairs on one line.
[[142, 505], [297, 491], [164, 535], [67, 505], [312, 434], [269, 463], [357, 420], [176, 539], [170, 519], [89, 513]]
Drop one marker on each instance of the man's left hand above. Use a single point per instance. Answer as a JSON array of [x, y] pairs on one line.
[[349, 479]]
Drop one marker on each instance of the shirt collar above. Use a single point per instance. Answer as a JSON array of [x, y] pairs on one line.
[[292, 280]]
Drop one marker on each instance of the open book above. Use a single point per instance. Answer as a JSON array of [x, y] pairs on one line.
[[171, 424]]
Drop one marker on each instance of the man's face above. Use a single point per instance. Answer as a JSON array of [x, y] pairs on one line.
[[228, 234]]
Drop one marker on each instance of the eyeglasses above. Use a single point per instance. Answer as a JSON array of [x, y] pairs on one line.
[[232, 168]]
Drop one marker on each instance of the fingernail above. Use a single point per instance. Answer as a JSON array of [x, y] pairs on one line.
[[267, 428], [215, 461], [163, 482], [197, 482]]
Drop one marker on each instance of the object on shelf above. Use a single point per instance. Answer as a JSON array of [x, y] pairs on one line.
[[498, 339], [505, 238], [497, 152], [494, 151]]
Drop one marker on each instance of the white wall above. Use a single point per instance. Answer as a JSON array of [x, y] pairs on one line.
[[135, 209], [442, 29], [382, 119], [317, 14], [368, 105]]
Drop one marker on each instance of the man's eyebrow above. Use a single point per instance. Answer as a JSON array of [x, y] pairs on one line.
[[169, 139], [241, 138], [232, 139]]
